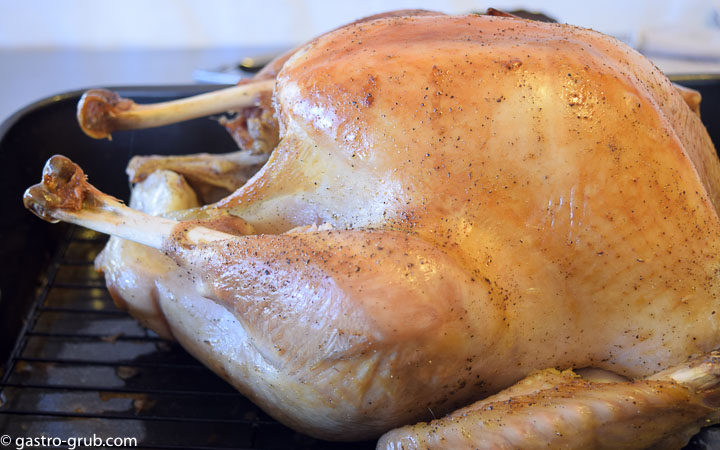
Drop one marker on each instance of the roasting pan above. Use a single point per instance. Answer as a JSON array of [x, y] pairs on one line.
[[74, 365]]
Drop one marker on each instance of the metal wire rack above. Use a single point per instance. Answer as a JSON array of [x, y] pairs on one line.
[[81, 367]]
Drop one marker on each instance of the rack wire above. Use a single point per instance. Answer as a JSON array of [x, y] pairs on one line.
[[81, 367]]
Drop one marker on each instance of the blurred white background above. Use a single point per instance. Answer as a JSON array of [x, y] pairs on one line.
[[50, 46], [105, 24]]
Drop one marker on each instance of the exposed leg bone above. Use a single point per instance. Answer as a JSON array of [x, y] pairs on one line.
[[65, 195], [101, 112], [560, 409]]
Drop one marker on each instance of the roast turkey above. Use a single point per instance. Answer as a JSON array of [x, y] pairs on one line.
[[455, 202]]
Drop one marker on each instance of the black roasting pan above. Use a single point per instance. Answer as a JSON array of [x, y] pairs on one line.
[[73, 365]]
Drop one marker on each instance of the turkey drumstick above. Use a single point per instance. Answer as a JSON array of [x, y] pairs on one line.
[[101, 112], [65, 195], [553, 409]]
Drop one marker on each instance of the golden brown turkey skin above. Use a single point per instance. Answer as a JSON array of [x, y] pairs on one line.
[[505, 196], [555, 165], [559, 410], [256, 128]]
